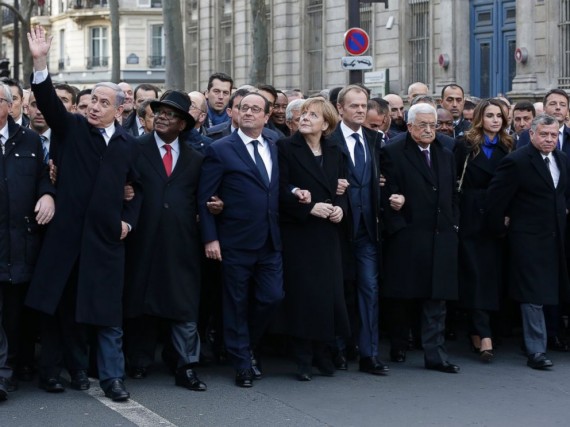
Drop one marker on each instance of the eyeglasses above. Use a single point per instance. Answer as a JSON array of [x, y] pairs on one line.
[[170, 115], [425, 126], [193, 107], [4, 100], [254, 109]]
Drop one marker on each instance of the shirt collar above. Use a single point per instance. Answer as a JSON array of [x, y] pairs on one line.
[[4, 132], [346, 131], [174, 144], [110, 130], [247, 139], [47, 134]]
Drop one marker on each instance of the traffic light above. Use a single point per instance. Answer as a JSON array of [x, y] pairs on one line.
[[4, 68]]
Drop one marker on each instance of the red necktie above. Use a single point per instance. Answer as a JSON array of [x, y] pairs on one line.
[[167, 159]]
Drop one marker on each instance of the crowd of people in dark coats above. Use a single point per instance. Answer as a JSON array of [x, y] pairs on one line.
[[208, 221]]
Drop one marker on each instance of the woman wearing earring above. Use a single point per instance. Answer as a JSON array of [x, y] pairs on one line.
[[480, 254]]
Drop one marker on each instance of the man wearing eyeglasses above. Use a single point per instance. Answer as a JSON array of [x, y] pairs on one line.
[[420, 251], [242, 169]]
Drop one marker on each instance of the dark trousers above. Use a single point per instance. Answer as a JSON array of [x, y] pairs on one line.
[[63, 340], [534, 328], [244, 323], [481, 323], [142, 335], [305, 350], [432, 327], [19, 324], [366, 256]]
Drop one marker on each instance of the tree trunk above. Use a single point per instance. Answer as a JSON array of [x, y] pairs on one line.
[[115, 41], [258, 71], [174, 44], [23, 14]]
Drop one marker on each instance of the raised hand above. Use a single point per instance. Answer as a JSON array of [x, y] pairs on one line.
[[39, 46]]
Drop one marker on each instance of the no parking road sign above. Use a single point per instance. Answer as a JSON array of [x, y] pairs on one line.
[[356, 41]]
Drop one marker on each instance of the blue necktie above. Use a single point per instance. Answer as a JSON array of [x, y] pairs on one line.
[[46, 151], [259, 162], [359, 158]]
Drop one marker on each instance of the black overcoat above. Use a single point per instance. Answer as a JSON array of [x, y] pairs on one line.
[[314, 306], [90, 206], [165, 251], [481, 253], [522, 189], [420, 251], [23, 180]]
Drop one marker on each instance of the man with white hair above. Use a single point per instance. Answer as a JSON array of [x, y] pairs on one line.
[[293, 115], [421, 245]]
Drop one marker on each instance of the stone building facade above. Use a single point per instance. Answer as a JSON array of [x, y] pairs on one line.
[[469, 42]]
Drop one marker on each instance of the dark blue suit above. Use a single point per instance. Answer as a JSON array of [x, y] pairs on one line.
[[248, 232], [364, 205]]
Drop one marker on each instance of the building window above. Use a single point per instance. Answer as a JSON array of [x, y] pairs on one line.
[[225, 39], [314, 46], [99, 48], [157, 57], [564, 79], [192, 51], [366, 24], [61, 60], [419, 40]]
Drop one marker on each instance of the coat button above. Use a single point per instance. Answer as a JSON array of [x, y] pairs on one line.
[[166, 206], [434, 188]]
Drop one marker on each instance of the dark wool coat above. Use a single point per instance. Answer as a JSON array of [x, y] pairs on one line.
[[421, 239], [481, 254], [523, 190], [165, 251], [24, 179], [90, 206], [314, 306]]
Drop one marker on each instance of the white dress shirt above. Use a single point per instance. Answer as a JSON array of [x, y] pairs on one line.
[[350, 141], [175, 149], [262, 147], [553, 167]]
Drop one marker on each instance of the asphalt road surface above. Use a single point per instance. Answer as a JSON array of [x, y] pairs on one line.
[[503, 393]]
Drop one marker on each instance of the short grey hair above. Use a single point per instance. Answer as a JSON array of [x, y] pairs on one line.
[[543, 119], [421, 108], [426, 99], [119, 94], [7, 92], [294, 105]]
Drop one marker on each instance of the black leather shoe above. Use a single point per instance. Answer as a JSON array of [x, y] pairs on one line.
[[556, 344], [398, 356], [445, 367], [539, 361], [137, 373], [3, 390], [340, 362], [52, 385], [116, 391], [244, 378], [186, 377], [372, 365], [256, 366], [79, 380], [304, 373]]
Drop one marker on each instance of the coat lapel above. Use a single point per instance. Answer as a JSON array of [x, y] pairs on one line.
[[538, 162], [243, 154], [301, 151], [150, 150], [412, 153]]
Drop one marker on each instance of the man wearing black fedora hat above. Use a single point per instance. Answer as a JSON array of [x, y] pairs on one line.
[[162, 279]]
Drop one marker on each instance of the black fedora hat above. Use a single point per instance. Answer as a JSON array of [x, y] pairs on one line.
[[179, 101]]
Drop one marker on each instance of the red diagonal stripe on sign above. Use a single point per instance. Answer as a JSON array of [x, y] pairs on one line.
[[356, 42]]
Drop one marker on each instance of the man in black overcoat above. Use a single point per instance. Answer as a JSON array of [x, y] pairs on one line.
[[420, 251], [527, 201], [78, 279], [26, 202], [165, 252]]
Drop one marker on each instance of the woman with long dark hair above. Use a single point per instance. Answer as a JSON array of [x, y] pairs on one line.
[[480, 253]]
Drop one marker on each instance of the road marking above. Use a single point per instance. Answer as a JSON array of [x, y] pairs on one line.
[[131, 409]]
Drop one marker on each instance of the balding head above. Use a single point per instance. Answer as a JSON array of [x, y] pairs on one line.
[[415, 89], [198, 108], [396, 109]]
